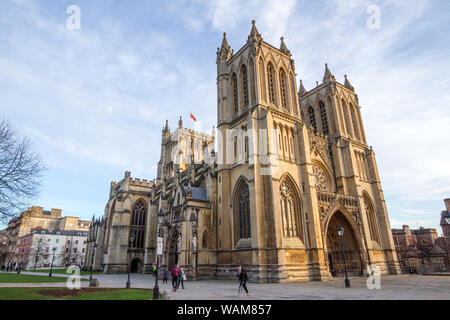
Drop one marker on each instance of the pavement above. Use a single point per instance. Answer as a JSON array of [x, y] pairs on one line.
[[398, 287]]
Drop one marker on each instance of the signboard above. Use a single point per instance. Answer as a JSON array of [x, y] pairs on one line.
[[159, 247]]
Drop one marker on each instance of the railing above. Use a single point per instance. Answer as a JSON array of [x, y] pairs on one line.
[[329, 197]]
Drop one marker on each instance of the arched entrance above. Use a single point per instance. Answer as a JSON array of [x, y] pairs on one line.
[[352, 250], [173, 250], [136, 265]]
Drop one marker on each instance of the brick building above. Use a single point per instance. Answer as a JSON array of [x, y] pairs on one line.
[[423, 250]]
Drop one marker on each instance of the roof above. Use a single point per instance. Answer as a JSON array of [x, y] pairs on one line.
[[61, 232]]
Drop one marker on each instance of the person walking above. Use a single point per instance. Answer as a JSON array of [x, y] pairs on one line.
[[181, 278], [243, 278], [174, 273], [166, 275], [154, 268]]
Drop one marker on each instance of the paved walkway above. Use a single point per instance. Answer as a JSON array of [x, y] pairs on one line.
[[410, 287]]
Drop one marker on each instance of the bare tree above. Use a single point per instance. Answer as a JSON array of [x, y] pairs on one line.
[[20, 172]]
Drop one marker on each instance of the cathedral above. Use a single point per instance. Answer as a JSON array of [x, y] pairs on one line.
[[267, 189]]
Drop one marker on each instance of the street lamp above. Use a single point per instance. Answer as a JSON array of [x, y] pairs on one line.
[[447, 217], [53, 260], [132, 236], [195, 244], [160, 219], [92, 260], [340, 231]]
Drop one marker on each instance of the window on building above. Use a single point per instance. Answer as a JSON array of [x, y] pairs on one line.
[[290, 209], [312, 118], [242, 211], [234, 87], [323, 118], [138, 223], [244, 85], [283, 89], [271, 82]]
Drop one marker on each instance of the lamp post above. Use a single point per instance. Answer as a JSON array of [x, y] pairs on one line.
[[195, 245], [341, 235], [159, 221], [132, 236], [92, 260], [53, 260]]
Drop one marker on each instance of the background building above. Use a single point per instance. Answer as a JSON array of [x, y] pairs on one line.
[[36, 218], [422, 250], [36, 248]]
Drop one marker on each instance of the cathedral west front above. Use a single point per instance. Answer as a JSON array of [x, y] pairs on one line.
[[284, 168]]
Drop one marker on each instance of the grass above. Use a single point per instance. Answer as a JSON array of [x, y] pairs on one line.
[[63, 271], [67, 294], [26, 278]]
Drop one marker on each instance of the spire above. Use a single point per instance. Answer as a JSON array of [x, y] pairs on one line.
[[254, 38], [254, 31], [283, 47], [302, 89], [328, 75], [224, 53], [347, 84], [180, 123], [93, 217]]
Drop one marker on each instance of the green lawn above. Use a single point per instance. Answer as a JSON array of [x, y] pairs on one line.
[[26, 278], [63, 271], [67, 294]]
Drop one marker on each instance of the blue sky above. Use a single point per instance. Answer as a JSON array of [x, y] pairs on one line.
[[93, 101]]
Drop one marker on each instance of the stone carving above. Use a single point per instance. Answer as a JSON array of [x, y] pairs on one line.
[[320, 179]]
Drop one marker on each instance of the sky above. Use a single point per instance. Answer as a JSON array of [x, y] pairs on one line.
[[93, 100]]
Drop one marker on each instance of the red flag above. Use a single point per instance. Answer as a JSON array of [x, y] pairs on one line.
[[193, 118]]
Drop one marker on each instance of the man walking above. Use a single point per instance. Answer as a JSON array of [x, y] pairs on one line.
[[166, 275], [242, 275]]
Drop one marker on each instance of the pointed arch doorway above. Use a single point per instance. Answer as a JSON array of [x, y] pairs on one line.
[[352, 250], [173, 249]]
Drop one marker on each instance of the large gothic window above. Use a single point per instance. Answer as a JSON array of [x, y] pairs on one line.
[[242, 212], [347, 119], [262, 80], [234, 88], [252, 82], [290, 210], [293, 94], [323, 118], [138, 223], [312, 118], [271, 82], [355, 122], [371, 219], [283, 89], [244, 85]]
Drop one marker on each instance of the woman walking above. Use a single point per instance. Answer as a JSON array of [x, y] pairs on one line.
[[175, 273], [181, 277], [242, 275]]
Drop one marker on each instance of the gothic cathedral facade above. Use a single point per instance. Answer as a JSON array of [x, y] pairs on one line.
[[268, 189]]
